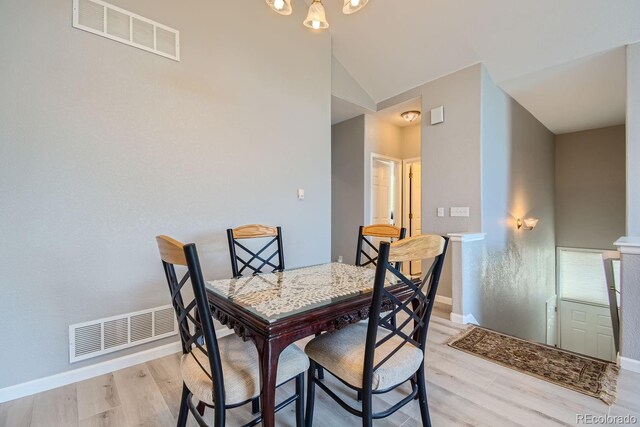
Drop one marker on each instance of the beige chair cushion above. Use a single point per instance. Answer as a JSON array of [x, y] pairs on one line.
[[240, 370], [342, 354]]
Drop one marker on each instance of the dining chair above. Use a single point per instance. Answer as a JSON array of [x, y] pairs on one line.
[[244, 258], [255, 261], [366, 247], [608, 258], [373, 358], [220, 373]]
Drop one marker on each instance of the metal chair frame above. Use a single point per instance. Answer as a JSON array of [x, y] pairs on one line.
[[392, 232], [197, 331], [364, 243], [418, 307], [239, 263]]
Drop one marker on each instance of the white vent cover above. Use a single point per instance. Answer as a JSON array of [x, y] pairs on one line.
[[102, 336], [98, 17]]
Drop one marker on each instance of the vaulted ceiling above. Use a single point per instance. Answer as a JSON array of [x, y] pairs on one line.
[[394, 45]]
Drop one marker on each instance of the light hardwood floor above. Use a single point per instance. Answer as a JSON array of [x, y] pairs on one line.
[[463, 390]]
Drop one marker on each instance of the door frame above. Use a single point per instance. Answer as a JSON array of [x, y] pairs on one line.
[[405, 192], [374, 157], [405, 197]]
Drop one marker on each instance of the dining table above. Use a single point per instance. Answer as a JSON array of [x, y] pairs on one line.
[[277, 309]]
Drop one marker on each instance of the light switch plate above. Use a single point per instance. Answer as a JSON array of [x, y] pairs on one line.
[[440, 211], [300, 193], [459, 211]]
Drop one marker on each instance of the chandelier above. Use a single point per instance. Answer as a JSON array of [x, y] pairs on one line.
[[316, 18]]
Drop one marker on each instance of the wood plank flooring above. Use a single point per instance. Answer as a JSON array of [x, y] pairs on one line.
[[463, 391]]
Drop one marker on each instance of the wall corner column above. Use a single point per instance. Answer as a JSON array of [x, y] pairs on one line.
[[633, 139], [465, 251], [629, 248]]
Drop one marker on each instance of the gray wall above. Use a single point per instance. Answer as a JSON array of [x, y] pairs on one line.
[[633, 140], [629, 306], [590, 188], [630, 266], [493, 156], [345, 87], [451, 174], [347, 187], [411, 142], [451, 150], [383, 138], [103, 146], [517, 181], [352, 143]]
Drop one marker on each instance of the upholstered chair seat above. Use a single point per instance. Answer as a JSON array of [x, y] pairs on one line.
[[219, 373], [240, 368], [342, 354], [380, 356]]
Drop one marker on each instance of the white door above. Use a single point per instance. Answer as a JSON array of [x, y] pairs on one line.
[[586, 329], [413, 206], [585, 320], [386, 184], [381, 197]]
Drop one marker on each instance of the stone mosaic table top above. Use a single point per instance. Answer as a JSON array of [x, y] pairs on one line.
[[273, 296]]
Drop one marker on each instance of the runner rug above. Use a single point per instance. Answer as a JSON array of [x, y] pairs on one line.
[[593, 377]]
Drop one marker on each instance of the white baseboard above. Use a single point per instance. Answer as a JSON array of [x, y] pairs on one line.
[[80, 374], [443, 300], [463, 319], [630, 364]]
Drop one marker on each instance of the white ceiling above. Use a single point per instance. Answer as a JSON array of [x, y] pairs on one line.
[[583, 94], [392, 46], [342, 110], [392, 114]]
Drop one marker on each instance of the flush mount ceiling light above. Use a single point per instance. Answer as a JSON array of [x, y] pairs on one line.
[[316, 18], [410, 116], [283, 7]]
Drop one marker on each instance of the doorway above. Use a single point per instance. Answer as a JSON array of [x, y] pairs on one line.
[[386, 187], [412, 206], [585, 325]]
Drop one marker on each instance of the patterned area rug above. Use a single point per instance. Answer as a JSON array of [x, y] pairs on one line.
[[592, 377]]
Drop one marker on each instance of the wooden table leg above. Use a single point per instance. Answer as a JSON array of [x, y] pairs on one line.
[[269, 352]]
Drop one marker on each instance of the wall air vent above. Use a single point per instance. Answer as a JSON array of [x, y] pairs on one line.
[[106, 20], [102, 336]]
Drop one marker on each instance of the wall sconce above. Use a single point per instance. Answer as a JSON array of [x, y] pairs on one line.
[[527, 223]]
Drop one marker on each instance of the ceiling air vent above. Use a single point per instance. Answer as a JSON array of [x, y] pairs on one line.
[[102, 336], [112, 22]]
